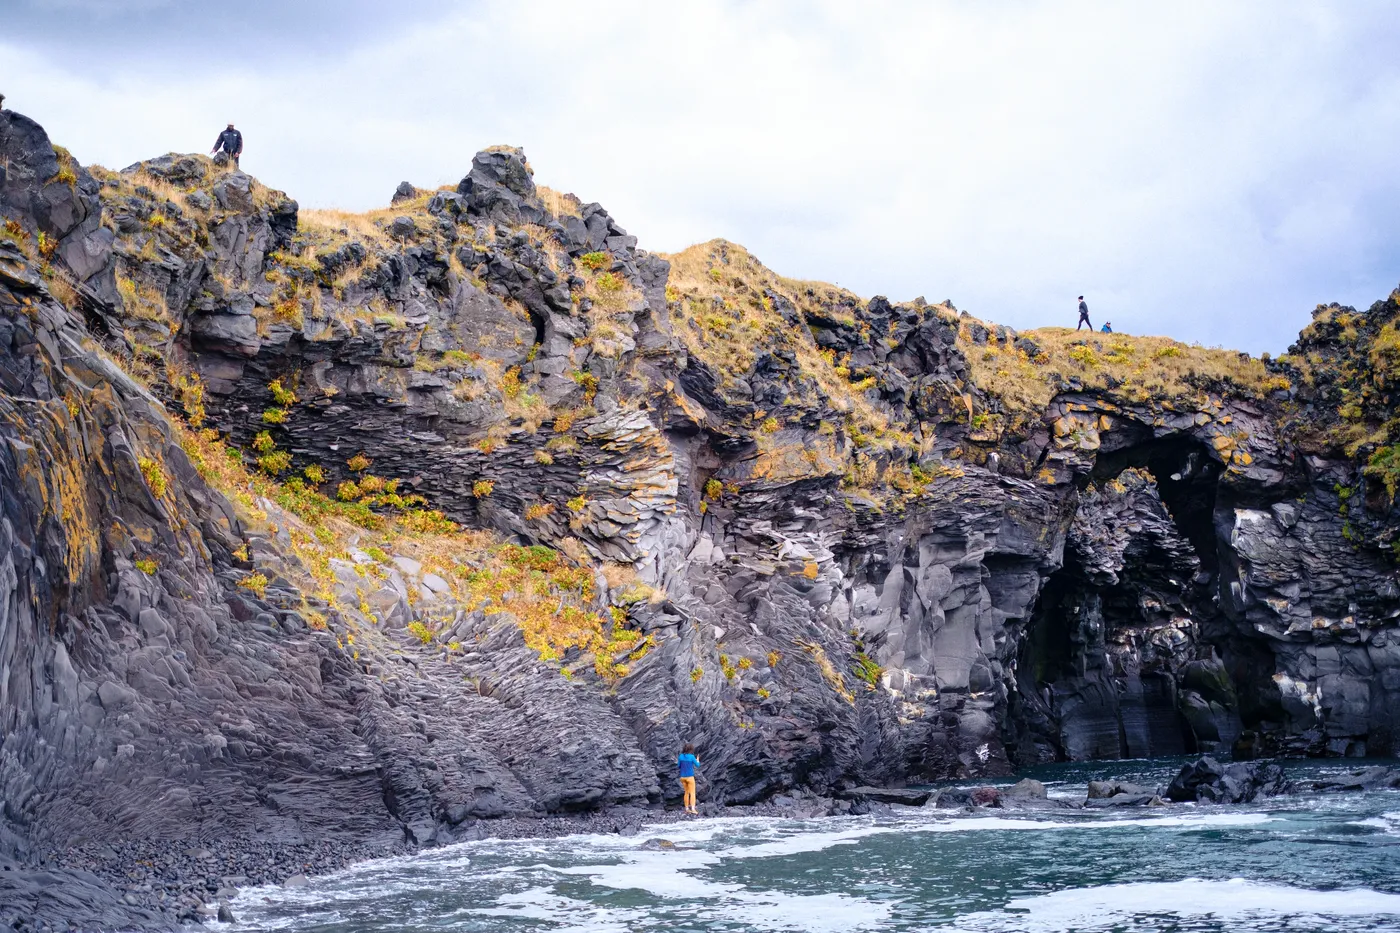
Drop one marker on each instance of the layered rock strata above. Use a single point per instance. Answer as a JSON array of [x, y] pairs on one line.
[[828, 540]]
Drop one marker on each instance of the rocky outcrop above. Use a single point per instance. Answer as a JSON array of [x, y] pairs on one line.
[[335, 535], [1208, 781]]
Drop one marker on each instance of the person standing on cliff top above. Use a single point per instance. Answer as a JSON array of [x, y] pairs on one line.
[[688, 765], [230, 141], [1083, 315]]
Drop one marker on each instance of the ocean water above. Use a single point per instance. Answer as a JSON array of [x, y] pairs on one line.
[[1291, 864]]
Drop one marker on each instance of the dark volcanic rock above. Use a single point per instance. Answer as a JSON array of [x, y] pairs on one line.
[[1374, 778], [1026, 787], [1106, 789], [908, 797], [1208, 781], [843, 562]]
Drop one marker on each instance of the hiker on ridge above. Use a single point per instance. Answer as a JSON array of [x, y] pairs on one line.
[[230, 141], [1107, 327], [1083, 315]]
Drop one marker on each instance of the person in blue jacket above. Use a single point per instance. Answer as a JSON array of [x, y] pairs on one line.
[[1107, 327], [689, 764]]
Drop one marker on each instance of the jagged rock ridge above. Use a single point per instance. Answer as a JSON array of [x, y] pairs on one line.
[[834, 542]]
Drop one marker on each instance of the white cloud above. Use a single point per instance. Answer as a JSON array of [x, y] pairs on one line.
[[1200, 169]]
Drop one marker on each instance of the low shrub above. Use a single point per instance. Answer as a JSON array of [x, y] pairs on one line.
[[255, 583], [154, 475], [594, 261], [275, 463], [284, 398]]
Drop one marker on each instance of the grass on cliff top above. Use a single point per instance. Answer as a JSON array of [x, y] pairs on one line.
[[1133, 368], [1354, 357], [721, 309], [125, 184], [338, 226]]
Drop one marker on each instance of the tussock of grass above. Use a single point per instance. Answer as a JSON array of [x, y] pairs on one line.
[[336, 227], [558, 203]]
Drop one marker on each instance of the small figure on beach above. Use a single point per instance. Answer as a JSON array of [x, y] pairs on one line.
[[688, 764]]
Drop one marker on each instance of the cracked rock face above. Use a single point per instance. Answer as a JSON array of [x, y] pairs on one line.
[[843, 576]]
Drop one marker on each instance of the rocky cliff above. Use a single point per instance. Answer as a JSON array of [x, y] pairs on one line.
[[325, 534]]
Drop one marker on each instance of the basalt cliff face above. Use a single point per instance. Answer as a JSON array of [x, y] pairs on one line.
[[327, 534]]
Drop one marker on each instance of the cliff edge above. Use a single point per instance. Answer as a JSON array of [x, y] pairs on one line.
[[327, 535]]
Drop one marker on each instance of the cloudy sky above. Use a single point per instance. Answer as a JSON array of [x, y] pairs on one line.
[[1208, 170]]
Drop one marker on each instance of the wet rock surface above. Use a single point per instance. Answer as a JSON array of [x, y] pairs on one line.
[[845, 580], [1208, 781]]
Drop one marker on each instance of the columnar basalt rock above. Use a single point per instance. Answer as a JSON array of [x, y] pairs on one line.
[[833, 542]]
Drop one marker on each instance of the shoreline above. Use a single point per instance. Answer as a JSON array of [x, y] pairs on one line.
[[162, 886]]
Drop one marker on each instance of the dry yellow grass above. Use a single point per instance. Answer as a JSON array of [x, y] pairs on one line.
[[337, 226], [1135, 369], [550, 593], [558, 203], [721, 309]]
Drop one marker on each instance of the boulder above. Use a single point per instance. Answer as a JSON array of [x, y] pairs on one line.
[[1026, 787], [1104, 789], [1376, 778], [1122, 800], [909, 797], [1207, 781]]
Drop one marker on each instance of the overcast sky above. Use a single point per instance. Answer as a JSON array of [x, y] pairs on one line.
[[1207, 170]]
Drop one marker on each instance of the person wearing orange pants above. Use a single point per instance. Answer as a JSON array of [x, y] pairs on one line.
[[688, 764]]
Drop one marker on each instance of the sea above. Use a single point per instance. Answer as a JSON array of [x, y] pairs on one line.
[[1301, 863]]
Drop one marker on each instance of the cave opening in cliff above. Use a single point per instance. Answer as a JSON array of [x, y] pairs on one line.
[[1098, 667], [1186, 477]]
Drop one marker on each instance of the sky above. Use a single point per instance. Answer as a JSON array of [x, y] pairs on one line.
[[1206, 170]]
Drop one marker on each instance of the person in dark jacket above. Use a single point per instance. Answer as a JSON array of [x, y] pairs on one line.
[[1083, 314], [230, 141]]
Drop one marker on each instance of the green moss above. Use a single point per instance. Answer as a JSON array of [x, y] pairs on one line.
[[1384, 465], [867, 670]]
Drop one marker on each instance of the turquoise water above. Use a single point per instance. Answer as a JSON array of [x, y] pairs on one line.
[[1297, 863]]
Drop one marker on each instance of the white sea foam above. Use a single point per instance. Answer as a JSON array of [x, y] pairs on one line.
[[568, 914], [1115, 906], [534, 883]]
